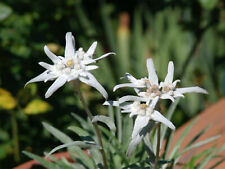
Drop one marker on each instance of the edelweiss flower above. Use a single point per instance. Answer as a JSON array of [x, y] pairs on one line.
[[169, 87], [146, 88], [75, 65], [135, 83], [144, 114], [149, 91], [149, 88]]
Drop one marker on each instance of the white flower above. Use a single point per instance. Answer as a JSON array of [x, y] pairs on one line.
[[74, 65], [169, 90], [144, 114], [135, 83], [149, 88]]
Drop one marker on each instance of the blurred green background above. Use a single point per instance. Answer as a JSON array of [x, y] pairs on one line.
[[189, 32]]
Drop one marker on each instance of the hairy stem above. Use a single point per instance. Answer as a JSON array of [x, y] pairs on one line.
[[90, 116], [15, 136], [158, 147]]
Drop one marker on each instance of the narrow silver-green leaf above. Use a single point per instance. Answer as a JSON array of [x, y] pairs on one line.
[[169, 115], [178, 143], [74, 143], [119, 124], [106, 120], [79, 131], [42, 161], [58, 134], [195, 146], [81, 157], [210, 156]]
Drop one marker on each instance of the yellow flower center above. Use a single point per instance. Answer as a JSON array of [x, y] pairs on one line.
[[166, 88], [154, 87], [147, 83], [69, 63], [143, 106]]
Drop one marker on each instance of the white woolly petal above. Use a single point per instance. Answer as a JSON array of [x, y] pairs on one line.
[[103, 56], [90, 80], [91, 49], [39, 78], [91, 67], [167, 96], [177, 94], [127, 111], [142, 94], [131, 98], [133, 113], [175, 82], [111, 103], [72, 77], [59, 82], [46, 65], [50, 77], [195, 89], [51, 55], [157, 116], [152, 76], [140, 123], [148, 100], [126, 85], [83, 74], [154, 102], [136, 140], [169, 76], [133, 144], [87, 61], [130, 77], [70, 48]]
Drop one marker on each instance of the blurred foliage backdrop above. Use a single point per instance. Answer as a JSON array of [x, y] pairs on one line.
[[189, 32]]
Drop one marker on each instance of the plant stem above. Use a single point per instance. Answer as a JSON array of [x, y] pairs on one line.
[[158, 147], [15, 136], [94, 124]]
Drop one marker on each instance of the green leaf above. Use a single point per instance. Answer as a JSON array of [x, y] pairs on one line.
[[148, 148], [74, 143], [210, 156], [139, 49], [97, 157], [127, 129], [119, 124], [169, 115], [84, 123], [177, 146], [198, 135], [79, 131], [42, 161], [81, 157], [5, 11], [168, 144], [195, 146], [120, 148], [106, 120], [58, 134], [208, 4]]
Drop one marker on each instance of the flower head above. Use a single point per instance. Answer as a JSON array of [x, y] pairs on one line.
[[148, 87], [169, 89], [74, 65], [144, 113], [149, 91]]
